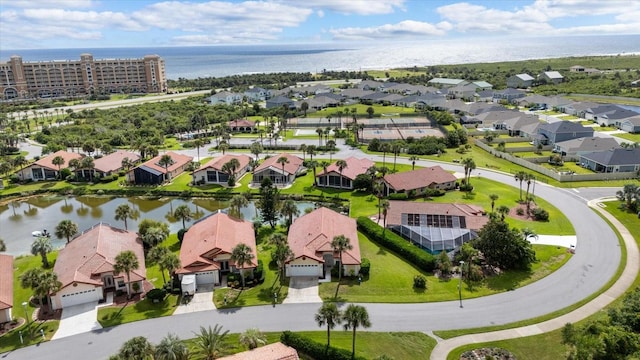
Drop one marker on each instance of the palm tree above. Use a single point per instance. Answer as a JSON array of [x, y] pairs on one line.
[[124, 212], [47, 284], [252, 338], [87, 164], [520, 176], [166, 161], [236, 203], [42, 246], [385, 210], [283, 160], [529, 178], [289, 210], [413, 160], [385, 147], [136, 348], [230, 168], [198, 143], [282, 254], [20, 161], [341, 244], [355, 316], [3, 246], [58, 161], [241, 255], [319, 131], [256, 149], [171, 348], [396, 147], [156, 255], [311, 150], [503, 210], [154, 236], [469, 165], [223, 147], [210, 343], [341, 164], [66, 229], [493, 198], [330, 315], [303, 148], [183, 212], [313, 164], [126, 262]]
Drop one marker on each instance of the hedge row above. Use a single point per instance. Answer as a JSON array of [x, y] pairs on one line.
[[314, 349], [403, 248]]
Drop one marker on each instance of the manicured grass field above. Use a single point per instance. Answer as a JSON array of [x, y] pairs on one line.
[[634, 138], [142, 310]]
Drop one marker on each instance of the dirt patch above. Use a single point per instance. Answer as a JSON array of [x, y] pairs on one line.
[[520, 212], [484, 353]]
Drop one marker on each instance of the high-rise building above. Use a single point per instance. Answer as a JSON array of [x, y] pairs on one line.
[[67, 78]]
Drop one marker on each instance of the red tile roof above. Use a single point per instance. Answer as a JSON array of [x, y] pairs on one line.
[[275, 351], [292, 167], [94, 251], [215, 234], [113, 161], [6, 281], [241, 123], [354, 167], [473, 214], [217, 163], [179, 160], [417, 179], [47, 162], [311, 235]]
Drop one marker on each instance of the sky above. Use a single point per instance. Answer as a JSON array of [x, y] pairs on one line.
[[54, 24]]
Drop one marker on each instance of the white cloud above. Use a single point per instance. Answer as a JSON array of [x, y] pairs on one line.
[[81, 19], [50, 4], [357, 7], [403, 29]]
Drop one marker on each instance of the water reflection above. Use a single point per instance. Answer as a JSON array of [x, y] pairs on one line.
[[18, 219]]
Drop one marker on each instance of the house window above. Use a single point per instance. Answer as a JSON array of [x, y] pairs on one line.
[[120, 283], [413, 219]]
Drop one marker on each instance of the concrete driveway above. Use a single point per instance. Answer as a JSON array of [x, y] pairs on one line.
[[202, 301], [78, 319], [302, 289]]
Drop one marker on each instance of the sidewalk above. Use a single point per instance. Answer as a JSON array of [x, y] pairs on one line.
[[443, 348]]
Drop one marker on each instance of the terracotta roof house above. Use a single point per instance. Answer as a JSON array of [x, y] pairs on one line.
[[112, 163], [6, 287], [206, 248], [85, 266], [561, 131], [241, 125], [344, 180], [520, 81], [310, 238], [613, 160], [44, 169], [151, 172], [275, 351], [212, 172], [435, 227], [418, 181], [581, 146], [272, 169]]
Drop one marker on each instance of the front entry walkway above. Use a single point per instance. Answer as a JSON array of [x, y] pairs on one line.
[[302, 289], [78, 319], [202, 301]]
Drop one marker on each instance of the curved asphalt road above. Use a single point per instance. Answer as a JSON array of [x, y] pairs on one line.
[[595, 262]]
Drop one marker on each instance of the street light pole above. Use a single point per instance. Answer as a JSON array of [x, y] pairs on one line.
[[460, 283], [26, 314]]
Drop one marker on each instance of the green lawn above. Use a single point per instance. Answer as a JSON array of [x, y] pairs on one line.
[[568, 166], [522, 144], [142, 310], [635, 138]]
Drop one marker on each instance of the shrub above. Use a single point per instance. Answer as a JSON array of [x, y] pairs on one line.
[[258, 272], [466, 187], [540, 214], [433, 192], [403, 248], [520, 211], [313, 349], [398, 196], [365, 267], [419, 282], [14, 179], [181, 233], [156, 295]]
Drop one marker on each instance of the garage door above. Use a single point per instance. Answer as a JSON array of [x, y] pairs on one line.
[[206, 277], [80, 297], [304, 270]]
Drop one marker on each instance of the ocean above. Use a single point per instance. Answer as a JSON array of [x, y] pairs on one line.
[[217, 61]]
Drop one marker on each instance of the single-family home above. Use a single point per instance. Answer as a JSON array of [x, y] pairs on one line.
[[370, 85], [355, 93], [631, 124], [520, 81], [578, 108], [612, 160], [257, 94], [445, 82], [85, 266], [608, 114], [225, 97], [464, 91], [333, 177], [153, 173], [213, 171], [418, 181], [550, 77], [205, 253], [551, 133], [435, 227], [275, 351], [112, 163], [44, 169], [280, 101], [310, 238], [515, 123], [582, 146], [241, 125], [482, 85], [509, 95], [6, 287], [484, 95], [281, 174], [543, 102], [583, 70]]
